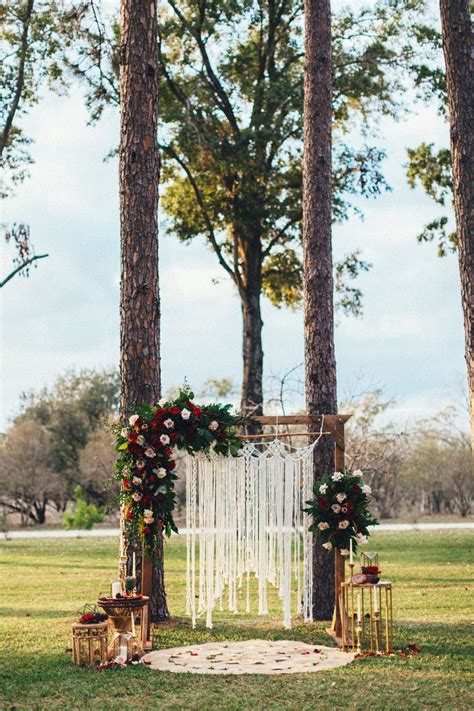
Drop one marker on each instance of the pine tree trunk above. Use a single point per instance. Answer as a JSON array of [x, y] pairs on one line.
[[458, 46], [139, 176], [252, 349], [320, 363]]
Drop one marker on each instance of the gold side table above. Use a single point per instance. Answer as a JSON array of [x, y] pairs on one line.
[[367, 617]]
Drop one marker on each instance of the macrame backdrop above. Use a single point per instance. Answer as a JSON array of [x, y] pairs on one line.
[[244, 517]]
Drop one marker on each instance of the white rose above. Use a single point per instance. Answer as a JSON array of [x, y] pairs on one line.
[[323, 488], [164, 439], [366, 489], [148, 513], [337, 476], [136, 496], [133, 419], [340, 497], [162, 402], [344, 551], [363, 540], [213, 426], [136, 480], [343, 524], [328, 546], [323, 526], [150, 452], [161, 473], [141, 439], [124, 433], [185, 414], [140, 464], [358, 473], [336, 508], [148, 519], [168, 423]]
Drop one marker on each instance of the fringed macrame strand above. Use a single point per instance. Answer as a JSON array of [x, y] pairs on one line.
[[244, 518]]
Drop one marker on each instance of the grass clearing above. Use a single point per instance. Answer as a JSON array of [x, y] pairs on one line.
[[43, 583]]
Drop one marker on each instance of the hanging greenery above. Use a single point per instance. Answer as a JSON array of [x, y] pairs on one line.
[[340, 511], [146, 464]]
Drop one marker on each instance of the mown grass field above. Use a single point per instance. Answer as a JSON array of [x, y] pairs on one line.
[[43, 583]]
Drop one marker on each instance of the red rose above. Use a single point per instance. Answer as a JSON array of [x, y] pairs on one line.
[[323, 503], [197, 412], [151, 478], [356, 489], [146, 530], [126, 484], [146, 501], [221, 436], [174, 436], [132, 436], [349, 505], [168, 451], [171, 465], [155, 440], [174, 410], [129, 515]]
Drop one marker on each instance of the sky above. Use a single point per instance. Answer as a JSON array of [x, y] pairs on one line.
[[409, 341]]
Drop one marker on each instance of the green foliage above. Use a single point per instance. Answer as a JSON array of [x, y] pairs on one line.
[[71, 410], [231, 107], [84, 515], [433, 172], [33, 39]]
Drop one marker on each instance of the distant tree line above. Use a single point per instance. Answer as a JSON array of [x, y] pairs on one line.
[[60, 441]]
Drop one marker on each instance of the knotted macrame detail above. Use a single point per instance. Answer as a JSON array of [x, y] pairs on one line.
[[244, 517]]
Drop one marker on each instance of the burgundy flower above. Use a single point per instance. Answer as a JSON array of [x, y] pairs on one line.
[[323, 503]]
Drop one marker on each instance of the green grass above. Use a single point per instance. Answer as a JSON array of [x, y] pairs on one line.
[[43, 583]]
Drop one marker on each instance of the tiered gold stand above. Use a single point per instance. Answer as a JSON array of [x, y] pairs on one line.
[[367, 617]]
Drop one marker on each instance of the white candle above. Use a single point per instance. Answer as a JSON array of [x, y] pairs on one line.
[[376, 601], [116, 588], [134, 570], [359, 607], [351, 553]]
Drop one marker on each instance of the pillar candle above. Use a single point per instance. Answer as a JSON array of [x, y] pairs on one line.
[[116, 588], [134, 570], [351, 553], [359, 607]]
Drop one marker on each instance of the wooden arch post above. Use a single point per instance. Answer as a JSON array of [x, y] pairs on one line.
[[332, 426]]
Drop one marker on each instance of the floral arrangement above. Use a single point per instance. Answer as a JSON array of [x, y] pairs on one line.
[[146, 446], [93, 618], [340, 511]]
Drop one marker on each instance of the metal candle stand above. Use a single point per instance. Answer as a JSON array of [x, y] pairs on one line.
[[361, 625]]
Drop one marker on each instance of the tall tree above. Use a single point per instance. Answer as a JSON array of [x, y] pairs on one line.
[[320, 361], [231, 133], [139, 176], [458, 46]]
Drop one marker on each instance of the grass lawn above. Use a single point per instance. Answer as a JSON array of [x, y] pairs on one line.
[[43, 583]]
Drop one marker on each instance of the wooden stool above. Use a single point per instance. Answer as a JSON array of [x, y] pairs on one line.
[[89, 643], [367, 617]]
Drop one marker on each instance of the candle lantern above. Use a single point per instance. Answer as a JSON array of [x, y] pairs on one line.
[[89, 643], [368, 559], [122, 612]]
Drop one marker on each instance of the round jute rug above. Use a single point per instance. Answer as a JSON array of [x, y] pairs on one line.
[[254, 656]]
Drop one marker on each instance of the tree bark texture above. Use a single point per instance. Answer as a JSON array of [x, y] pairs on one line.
[[139, 177], [458, 46], [252, 349], [320, 363]]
